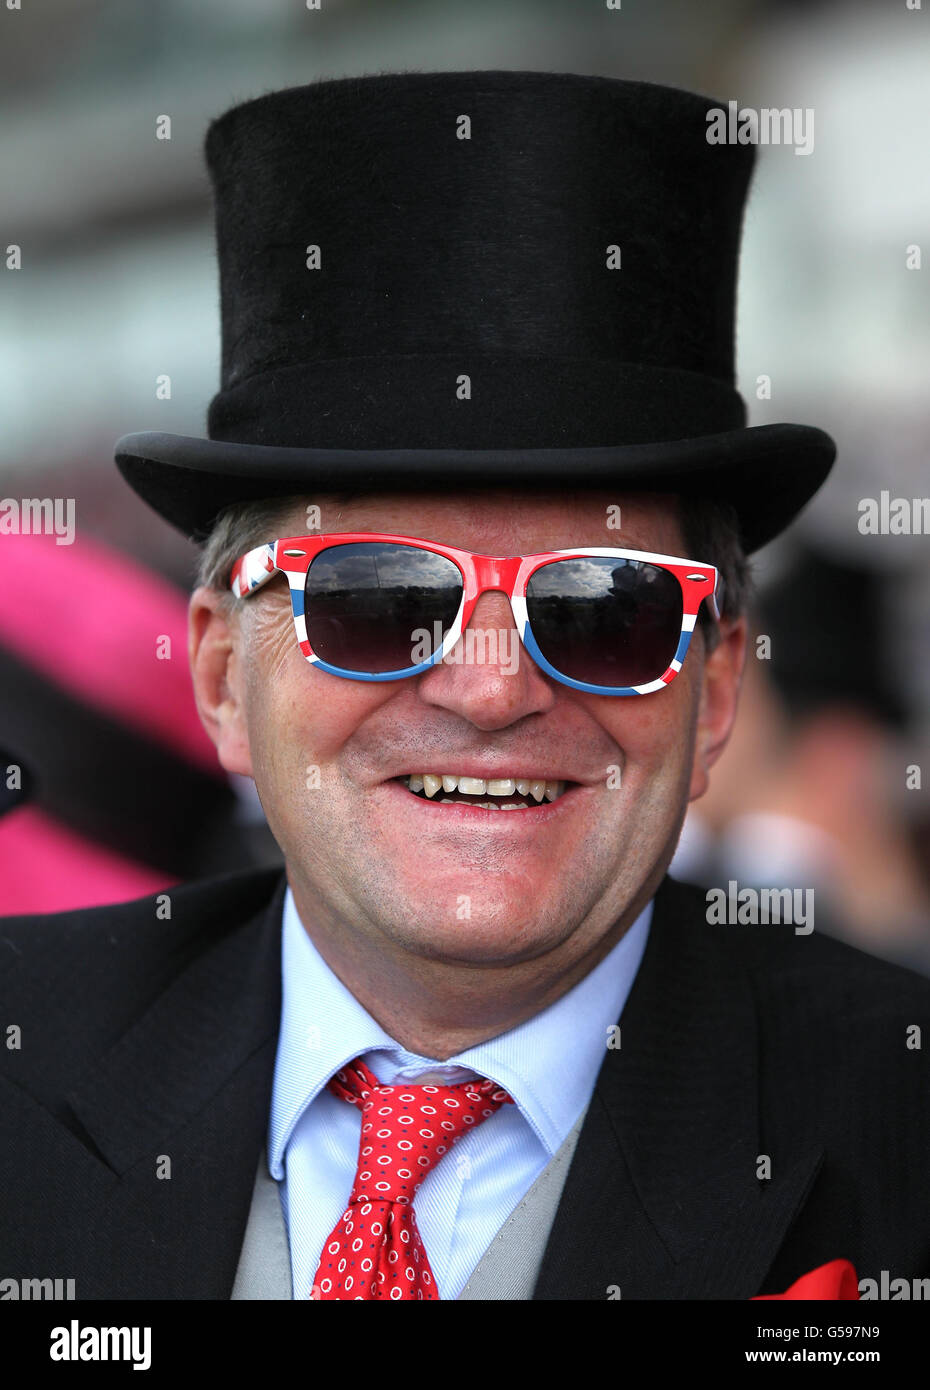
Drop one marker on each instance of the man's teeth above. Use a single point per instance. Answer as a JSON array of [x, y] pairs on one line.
[[430, 784]]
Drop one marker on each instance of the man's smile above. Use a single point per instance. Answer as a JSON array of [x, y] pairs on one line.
[[452, 803], [503, 793]]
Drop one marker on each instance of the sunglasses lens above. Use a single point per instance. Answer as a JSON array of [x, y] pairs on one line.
[[374, 606], [605, 621]]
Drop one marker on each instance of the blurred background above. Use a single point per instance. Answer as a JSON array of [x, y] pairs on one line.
[[111, 788]]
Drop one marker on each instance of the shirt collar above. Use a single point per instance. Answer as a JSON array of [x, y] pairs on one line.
[[548, 1064]]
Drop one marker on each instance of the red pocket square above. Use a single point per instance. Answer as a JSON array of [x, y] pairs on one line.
[[834, 1280]]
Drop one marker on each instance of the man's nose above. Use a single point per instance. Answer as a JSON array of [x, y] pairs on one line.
[[493, 615], [489, 678]]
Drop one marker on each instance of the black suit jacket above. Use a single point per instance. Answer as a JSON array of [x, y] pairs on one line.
[[145, 1042]]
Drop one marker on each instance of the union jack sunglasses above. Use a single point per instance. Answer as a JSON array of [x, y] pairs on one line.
[[375, 607]]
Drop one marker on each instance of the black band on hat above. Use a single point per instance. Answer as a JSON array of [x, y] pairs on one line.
[[513, 403]]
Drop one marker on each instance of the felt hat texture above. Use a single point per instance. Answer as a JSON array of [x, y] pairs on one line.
[[461, 279]]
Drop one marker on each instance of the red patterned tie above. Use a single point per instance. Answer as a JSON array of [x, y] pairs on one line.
[[375, 1250]]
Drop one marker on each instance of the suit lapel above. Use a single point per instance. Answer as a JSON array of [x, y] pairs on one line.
[[662, 1199], [167, 1124]]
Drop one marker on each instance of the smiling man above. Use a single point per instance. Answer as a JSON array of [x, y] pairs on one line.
[[473, 1042], [454, 913]]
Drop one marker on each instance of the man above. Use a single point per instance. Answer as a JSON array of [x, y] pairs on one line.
[[477, 380]]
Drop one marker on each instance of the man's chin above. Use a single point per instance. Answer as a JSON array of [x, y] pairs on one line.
[[478, 933]]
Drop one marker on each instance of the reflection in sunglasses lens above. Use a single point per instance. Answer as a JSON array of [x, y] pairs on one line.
[[365, 602], [605, 621]]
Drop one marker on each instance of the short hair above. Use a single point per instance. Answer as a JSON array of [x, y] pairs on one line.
[[238, 528], [711, 532], [709, 526]]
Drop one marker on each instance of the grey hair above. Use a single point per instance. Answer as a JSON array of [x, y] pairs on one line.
[[709, 526], [711, 533], [238, 528]]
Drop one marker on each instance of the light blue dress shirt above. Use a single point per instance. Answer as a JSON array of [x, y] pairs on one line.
[[549, 1065]]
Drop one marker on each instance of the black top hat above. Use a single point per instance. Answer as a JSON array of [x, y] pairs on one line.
[[441, 280]]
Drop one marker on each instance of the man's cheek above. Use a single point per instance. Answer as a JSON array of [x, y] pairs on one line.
[[655, 739], [281, 753]]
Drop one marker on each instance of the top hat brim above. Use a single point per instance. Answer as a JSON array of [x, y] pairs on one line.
[[767, 472]]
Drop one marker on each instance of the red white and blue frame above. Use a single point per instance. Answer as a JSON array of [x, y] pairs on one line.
[[293, 555]]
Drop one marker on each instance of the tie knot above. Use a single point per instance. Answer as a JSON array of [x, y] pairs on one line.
[[406, 1129]]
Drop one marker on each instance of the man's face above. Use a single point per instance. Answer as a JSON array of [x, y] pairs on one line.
[[417, 879]]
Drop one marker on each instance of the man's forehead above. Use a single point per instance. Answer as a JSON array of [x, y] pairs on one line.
[[604, 515]]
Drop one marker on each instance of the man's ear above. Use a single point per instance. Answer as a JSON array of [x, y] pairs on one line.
[[214, 651], [720, 685]]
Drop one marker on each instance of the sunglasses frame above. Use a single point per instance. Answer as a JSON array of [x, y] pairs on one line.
[[293, 555]]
